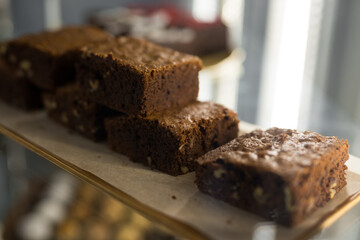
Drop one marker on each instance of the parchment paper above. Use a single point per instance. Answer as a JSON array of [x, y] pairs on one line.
[[213, 218]]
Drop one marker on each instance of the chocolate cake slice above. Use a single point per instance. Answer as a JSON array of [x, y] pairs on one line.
[[171, 140], [137, 77], [46, 58], [280, 174], [70, 108], [18, 91]]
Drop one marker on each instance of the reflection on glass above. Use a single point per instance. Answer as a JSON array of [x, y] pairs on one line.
[[284, 67], [6, 25], [264, 230], [52, 14]]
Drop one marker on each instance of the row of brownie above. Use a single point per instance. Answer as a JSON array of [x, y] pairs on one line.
[[138, 95], [146, 95], [169, 140], [280, 174]]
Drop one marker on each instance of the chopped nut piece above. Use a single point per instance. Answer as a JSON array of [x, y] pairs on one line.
[[288, 199], [64, 118], [106, 74], [94, 85], [310, 204], [184, 169], [333, 185], [3, 49], [50, 104], [182, 146], [332, 193], [81, 128], [218, 173], [192, 141], [235, 196], [258, 195], [25, 64], [76, 113]]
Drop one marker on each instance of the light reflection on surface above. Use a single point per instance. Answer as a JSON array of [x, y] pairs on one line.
[[264, 230], [284, 63]]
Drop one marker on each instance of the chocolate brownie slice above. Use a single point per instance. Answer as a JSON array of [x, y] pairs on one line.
[[68, 107], [135, 76], [46, 58], [171, 140], [17, 91], [280, 174]]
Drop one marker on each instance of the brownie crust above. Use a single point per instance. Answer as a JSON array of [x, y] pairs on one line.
[[70, 108], [171, 140], [47, 58], [280, 174], [137, 77]]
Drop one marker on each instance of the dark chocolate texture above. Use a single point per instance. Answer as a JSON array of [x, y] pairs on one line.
[[171, 140], [47, 58], [283, 175], [17, 91], [137, 77], [69, 108]]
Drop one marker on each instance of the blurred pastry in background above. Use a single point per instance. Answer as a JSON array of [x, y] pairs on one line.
[[165, 25]]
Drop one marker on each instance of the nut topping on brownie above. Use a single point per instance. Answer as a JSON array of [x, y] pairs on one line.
[[280, 174]]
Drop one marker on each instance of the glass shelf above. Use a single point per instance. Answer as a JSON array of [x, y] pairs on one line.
[[46, 202], [173, 202]]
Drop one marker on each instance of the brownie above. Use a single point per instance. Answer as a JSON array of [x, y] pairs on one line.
[[47, 58], [171, 140], [17, 91], [70, 108], [280, 174], [137, 77]]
